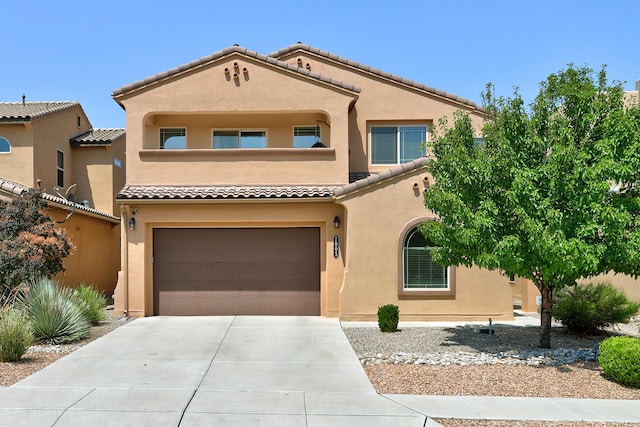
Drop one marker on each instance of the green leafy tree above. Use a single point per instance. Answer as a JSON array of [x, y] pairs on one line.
[[551, 192], [30, 243]]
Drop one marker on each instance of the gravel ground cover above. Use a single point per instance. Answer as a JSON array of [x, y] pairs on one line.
[[459, 361], [39, 356]]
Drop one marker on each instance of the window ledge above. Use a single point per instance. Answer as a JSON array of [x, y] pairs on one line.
[[426, 294], [233, 153]]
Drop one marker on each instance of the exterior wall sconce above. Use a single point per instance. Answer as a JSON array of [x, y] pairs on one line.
[[132, 224], [336, 222]]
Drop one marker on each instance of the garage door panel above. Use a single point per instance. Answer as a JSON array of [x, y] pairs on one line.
[[237, 271], [236, 306], [263, 271]]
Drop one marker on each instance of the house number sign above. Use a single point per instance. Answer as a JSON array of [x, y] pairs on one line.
[[336, 246]]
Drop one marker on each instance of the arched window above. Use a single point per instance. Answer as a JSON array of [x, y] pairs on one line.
[[420, 272], [5, 147]]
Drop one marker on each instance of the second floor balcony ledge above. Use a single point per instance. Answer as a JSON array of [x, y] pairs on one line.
[[303, 154]]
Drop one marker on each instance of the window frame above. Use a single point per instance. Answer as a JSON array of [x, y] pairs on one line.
[[2, 138], [421, 293], [240, 131], [397, 126], [59, 168], [317, 134], [166, 128]]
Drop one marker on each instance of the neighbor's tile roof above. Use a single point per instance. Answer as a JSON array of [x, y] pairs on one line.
[[25, 112], [98, 137], [19, 189], [368, 69], [221, 54], [171, 192]]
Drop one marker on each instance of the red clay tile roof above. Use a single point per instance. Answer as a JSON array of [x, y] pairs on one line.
[[98, 137], [16, 189], [368, 69], [364, 182], [25, 112], [171, 192], [252, 192], [221, 54]]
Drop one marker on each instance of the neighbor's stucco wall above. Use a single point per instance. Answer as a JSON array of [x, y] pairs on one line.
[[376, 220], [139, 268], [17, 166], [96, 258], [52, 133]]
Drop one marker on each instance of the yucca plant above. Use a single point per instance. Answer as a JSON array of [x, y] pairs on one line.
[[93, 303], [55, 312], [15, 333]]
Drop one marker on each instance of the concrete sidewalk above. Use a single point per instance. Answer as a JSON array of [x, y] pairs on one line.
[[248, 371]]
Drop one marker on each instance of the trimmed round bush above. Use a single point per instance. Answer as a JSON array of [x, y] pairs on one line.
[[388, 316], [591, 307], [620, 360], [15, 334], [93, 303]]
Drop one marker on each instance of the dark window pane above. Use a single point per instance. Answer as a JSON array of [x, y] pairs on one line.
[[384, 150]]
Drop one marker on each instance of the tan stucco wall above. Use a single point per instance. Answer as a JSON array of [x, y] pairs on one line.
[[377, 219], [224, 215], [206, 98], [52, 133], [401, 104], [99, 179], [628, 284], [96, 258], [17, 166]]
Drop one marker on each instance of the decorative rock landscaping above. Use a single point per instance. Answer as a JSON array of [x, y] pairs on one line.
[[534, 358]]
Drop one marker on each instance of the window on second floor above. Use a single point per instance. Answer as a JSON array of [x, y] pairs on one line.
[[60, 168], [239, 138], [393, 145], [305, 136], [173, 138], [5, 146]]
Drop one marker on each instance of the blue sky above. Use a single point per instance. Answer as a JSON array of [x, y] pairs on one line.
[[83, 50]]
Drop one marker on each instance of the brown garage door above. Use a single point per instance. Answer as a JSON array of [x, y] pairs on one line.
[[236, 271]]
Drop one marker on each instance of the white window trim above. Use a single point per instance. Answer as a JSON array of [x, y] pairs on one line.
[[240, 130], [396, 125], [293, 132], [173, 127], [423, 289], [60, 169]]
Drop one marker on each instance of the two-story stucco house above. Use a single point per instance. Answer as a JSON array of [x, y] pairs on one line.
[[290, 183], [52, 146]]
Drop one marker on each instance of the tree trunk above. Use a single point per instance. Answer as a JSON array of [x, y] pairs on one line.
[[545, 316]]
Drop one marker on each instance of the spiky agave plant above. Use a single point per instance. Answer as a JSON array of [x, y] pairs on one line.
[[55, 312]]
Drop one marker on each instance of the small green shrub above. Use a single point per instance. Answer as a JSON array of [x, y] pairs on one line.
[[388, 316], [620, 360], [591, 307], [93, 303], [55, 313], [15, 334]]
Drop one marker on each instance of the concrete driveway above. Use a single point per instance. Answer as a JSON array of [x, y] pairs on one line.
[[207, 371]]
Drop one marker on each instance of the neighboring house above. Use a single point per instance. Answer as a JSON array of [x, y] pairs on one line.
[[290, 183], [52, 146]]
